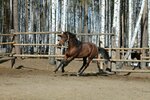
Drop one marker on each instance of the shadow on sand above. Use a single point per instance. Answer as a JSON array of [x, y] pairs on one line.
[[88, 74]]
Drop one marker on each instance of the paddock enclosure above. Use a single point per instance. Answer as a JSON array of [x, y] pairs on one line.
[[32, 77], [29, 52], [29, 29], [40, 50]]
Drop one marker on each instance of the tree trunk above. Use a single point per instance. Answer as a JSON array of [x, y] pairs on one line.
[[135, 31], [77, 17], [64, 15], [86, 19], [148, 27], [116, 22], [102, 37], [116, 29], [93, 22], [52, 36], [6, 25], [130, 21], [58, 50], [11, 14], [1, 18], [31, 23], [148, 23], [26, 11], [144, 23], [137, 24], [15, 19]]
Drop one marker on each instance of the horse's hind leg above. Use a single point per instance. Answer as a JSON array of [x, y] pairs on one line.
[[98, 67], [84, 63], [87, 64]]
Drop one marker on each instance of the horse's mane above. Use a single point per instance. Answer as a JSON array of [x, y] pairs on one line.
[[70, 34]]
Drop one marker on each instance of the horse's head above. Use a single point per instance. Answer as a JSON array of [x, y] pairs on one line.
[[64, 37]]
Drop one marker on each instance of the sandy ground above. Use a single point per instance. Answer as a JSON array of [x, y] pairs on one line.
[[36, 81]]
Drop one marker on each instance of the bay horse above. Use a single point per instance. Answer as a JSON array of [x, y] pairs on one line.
[[78, 49]]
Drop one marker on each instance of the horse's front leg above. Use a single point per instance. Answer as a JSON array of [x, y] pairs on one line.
[[61, 64], [65, 63]]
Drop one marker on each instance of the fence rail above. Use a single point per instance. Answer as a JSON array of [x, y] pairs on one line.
[[132, 71], [7, 34], [127, 48], [37, 55], [78, 34], [27, 33], [78, 59], [8, 43], [60, 56]]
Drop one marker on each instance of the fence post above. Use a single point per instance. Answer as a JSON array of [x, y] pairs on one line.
[[15, 17], [52, 49], [113, 65]]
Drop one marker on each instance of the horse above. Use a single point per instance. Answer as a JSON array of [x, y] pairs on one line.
[[79, 49]]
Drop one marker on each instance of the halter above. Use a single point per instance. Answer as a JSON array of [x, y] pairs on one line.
[[68, 38]]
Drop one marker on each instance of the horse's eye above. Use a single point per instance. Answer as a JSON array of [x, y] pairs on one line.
[[57, 40], [59, 35]]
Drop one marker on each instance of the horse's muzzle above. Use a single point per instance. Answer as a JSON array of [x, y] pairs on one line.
[[59, 45]]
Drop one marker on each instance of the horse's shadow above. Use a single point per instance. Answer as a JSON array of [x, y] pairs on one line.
[[87, 74]]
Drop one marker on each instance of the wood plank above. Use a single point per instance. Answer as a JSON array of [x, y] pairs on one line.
[[9, 43], [4, 59], [132, 71], [28, 55]]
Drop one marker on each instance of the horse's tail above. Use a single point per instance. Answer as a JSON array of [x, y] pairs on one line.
[[104, 54]]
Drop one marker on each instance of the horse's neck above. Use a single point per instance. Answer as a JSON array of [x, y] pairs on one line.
[[74, 43]]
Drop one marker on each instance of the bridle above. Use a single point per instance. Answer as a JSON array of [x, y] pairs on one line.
[[68, 37]]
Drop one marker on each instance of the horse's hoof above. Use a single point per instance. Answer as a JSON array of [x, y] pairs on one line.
[[78, 74], [108, 69], [55, 71], [62, 71]]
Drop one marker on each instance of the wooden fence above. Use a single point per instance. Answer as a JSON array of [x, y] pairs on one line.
[[60, 56]]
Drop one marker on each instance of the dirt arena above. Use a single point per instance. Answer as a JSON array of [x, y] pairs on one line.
[[36, 81]]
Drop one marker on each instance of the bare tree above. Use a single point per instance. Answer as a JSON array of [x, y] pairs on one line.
[[15, 19], [148, 23], [130, 20], [103, 20]]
